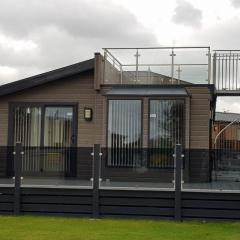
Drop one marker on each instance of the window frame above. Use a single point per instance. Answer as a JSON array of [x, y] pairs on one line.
[[42, 105]]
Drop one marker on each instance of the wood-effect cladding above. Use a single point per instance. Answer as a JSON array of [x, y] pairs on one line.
[[86, 92]]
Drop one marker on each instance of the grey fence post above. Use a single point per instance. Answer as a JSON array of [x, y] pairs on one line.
[[96, 165], [178, 181], [17, 178]]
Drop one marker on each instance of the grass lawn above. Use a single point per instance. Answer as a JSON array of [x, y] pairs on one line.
[[50, 228]]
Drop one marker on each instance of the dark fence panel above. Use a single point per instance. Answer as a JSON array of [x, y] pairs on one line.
[[203, 205], [122, 203], [56, 201], [137, 203], [6, 200]]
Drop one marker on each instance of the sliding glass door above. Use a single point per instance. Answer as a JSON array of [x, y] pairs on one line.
[[48, 135]]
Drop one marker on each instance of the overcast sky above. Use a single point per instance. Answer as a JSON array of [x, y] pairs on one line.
[[40, 35]]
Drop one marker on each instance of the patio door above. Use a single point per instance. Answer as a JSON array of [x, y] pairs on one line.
[[48, 135]]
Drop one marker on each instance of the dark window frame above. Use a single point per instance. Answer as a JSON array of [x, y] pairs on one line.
[[142, 98], [43, 106]]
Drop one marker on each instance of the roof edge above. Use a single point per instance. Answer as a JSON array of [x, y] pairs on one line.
[[46, 77]]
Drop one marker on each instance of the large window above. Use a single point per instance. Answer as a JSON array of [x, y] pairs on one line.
[[124, 133], [166, 130], [47, 134]]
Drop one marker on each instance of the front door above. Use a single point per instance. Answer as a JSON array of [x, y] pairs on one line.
[[48, 135]]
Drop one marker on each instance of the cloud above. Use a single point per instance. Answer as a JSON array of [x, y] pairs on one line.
[[36, 36], [220, 36], [187, 14], [228, 104], [235, 3], [7, 73]]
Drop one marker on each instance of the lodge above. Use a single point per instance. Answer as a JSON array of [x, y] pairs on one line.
[[135, 107]]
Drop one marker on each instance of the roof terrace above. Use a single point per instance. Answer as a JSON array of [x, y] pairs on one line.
[[163, 65]]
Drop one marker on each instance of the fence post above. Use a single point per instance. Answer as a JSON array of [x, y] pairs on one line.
[[17, 178], [96, 164], [178, 181]]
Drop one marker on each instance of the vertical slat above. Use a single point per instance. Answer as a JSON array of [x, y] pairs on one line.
[[135, 131], [39, 137], [222, 72], [117, 126], [126, 134], [229, 71], [232, 72], [237, 71], [27, 147], [109, 135], [166, 109], [159, 130], [66, 139], [158, 143], [161, 140], [218, 57], [133, 126], [114, 103], [123, 130], [226, 71], [139, 150]]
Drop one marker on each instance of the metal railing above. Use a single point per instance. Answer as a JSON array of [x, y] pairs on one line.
[[163, 65], [226, 70]]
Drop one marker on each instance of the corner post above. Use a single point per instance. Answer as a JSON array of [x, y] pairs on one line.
[[178, 181], [17, 179], [96, 165]]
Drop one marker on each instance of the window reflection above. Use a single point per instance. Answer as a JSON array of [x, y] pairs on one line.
[[166, 130]]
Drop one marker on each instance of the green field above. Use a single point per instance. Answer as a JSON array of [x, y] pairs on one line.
[[50, 228]]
